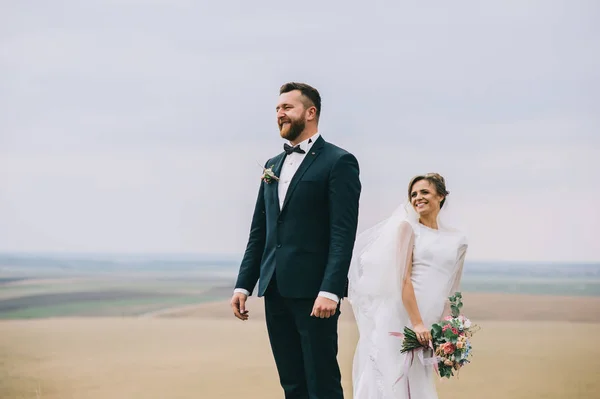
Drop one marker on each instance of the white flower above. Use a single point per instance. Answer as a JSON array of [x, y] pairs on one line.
[[268, 175]]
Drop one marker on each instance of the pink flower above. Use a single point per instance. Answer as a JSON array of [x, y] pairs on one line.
[[448, 318], [460, 345], [449, 348], [447, 327]]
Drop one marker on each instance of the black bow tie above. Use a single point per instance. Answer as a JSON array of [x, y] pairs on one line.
[[289, 149]]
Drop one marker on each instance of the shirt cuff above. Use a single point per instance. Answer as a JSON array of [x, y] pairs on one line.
[[241, 290], [329, 295]]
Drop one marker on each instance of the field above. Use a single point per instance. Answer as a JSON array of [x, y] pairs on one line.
[[26, 298], [202, 352], [136, 294], [111, 328], [113, 285]]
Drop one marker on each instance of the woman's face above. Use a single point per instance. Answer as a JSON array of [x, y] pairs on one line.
[[424, 198]]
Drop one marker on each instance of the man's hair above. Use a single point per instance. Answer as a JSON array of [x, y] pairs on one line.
[[308, 92]]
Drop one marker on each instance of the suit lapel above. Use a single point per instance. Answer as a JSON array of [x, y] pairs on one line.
[[309, 158], [277, 172]]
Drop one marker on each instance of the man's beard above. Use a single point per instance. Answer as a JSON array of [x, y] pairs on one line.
[[295, 129]]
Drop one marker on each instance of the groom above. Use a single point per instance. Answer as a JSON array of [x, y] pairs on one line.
[[300, 245]]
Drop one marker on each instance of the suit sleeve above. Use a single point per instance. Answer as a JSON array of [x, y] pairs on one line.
[[344, 195], [250, 267]]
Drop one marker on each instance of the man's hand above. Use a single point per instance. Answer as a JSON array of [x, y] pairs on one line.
[[324, 308], [238, 304]]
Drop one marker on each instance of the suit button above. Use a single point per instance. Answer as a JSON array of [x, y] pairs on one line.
[[278, 245]]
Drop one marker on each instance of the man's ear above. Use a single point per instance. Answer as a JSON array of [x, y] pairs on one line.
[[311, 113]]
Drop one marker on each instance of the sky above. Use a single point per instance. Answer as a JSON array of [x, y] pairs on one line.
[[139, 126]]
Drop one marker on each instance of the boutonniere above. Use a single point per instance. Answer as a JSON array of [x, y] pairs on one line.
[[268, 175]]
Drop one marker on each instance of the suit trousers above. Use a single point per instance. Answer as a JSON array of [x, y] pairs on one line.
[[305, 347]]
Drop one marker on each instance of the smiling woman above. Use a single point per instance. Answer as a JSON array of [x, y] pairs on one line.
[[427, 195]]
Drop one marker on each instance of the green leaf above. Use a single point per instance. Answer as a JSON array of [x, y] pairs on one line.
[[445, 371]]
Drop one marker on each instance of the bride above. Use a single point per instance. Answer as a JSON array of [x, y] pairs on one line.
[[402, 272]]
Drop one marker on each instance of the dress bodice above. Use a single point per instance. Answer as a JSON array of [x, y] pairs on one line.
[[436, 251]]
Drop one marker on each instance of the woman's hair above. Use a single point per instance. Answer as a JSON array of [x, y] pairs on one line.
[[436, 180]]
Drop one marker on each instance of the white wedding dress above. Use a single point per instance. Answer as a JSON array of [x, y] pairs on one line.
[[376, 272]]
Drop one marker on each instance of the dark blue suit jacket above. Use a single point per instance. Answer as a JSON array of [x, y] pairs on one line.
[[309, 241]]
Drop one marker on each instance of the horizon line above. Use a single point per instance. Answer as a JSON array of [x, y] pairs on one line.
[[240, 256]]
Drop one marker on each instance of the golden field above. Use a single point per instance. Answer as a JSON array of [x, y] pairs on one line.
[[529, 347]]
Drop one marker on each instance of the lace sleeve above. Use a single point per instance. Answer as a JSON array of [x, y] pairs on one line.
[[458, 271], [406, 241], [460, 262]]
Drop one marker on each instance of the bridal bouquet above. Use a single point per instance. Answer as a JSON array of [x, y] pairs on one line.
[[451, 339]]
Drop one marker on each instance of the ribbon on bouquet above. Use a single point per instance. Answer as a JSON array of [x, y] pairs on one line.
[[410, 357]]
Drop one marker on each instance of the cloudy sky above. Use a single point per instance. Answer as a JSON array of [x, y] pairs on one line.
[[137, 126]]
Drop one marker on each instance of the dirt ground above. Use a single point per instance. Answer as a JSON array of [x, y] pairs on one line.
[[204, 352]]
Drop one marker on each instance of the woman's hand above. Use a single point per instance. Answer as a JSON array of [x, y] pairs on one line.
[[423, 334]]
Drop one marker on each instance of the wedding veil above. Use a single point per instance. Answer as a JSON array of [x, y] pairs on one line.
[[378, 265]]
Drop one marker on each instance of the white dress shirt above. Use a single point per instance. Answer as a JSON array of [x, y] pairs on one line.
[[288, 170]]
